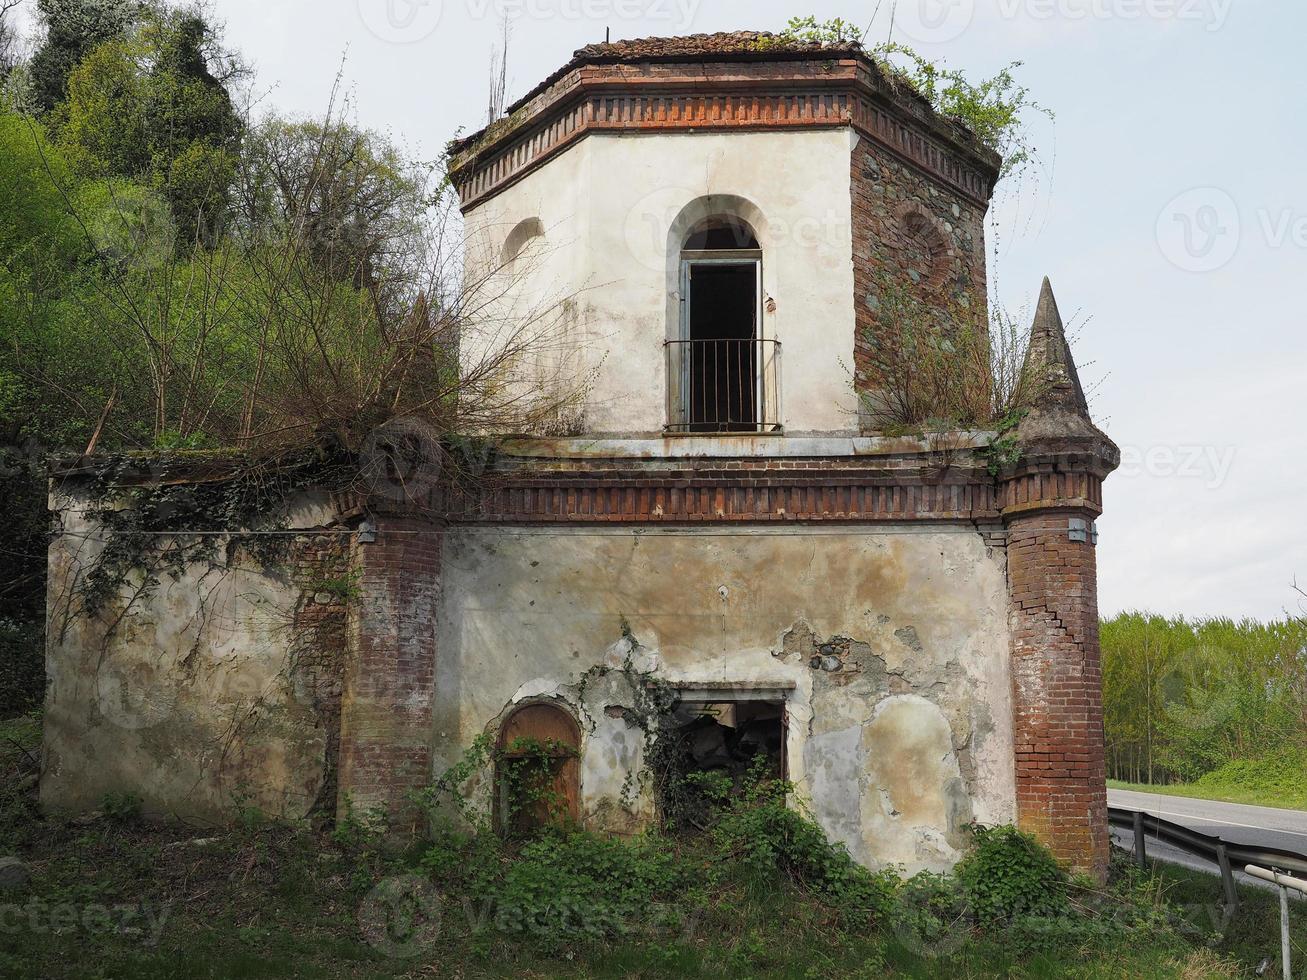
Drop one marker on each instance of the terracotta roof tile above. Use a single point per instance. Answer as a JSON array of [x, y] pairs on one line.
[[704, 45]]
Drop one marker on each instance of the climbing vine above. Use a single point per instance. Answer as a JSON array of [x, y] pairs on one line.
[[164, 524]]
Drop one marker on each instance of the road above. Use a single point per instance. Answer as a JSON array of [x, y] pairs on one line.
[[1235, 822]]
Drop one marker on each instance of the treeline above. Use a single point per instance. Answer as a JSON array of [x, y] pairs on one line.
[[1186, 698], [182, 271]]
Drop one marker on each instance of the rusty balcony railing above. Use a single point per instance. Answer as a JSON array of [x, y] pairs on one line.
[[718, 386]]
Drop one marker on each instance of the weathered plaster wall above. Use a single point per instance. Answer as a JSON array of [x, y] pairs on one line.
[[900, 733], [609, 207], [218, 690]]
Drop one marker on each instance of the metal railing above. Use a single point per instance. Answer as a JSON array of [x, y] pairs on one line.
[[720, 386], [1222, 853]]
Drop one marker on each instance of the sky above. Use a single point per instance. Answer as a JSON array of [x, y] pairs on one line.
[[1170, 212]]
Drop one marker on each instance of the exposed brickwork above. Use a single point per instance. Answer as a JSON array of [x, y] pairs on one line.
[[821, 89], [910, 230], [321, 568], [1057, 687], [753, 490], [390, 679]]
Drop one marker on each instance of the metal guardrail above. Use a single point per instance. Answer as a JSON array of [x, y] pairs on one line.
[[1283, 883], [1225, 854], [1272, 864]]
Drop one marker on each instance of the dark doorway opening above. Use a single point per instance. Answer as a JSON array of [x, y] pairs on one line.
[[723, 364], [730, 739]]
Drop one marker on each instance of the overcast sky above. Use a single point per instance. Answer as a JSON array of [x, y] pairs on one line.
[[1172, 219]]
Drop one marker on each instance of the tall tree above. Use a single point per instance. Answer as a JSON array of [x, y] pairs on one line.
[[153, 108], [72, 30]]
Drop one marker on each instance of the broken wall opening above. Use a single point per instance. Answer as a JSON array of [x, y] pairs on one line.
[[723, 735]]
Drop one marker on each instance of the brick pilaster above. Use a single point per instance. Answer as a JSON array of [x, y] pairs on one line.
[[385, 743], [1057, 687]]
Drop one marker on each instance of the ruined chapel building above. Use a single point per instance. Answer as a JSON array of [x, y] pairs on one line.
[[907, 626]]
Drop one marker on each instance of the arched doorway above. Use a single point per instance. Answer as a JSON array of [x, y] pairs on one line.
[[721, 283], [537, 770]]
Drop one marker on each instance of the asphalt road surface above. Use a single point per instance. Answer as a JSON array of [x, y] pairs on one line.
[[1235, 822]]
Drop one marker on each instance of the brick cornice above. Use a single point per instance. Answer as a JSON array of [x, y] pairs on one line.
[[1051, 489], [809, 492], [696, 97]]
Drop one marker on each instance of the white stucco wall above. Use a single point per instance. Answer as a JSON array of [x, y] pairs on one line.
[[608, 205], [894, 753]]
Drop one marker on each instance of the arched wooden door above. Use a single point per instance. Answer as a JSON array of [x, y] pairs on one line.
[[538, 770]]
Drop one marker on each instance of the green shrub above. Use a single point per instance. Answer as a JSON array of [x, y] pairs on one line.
[[568, 887], [121, 807], [1010, 874], [1277, 777], [757, 832]]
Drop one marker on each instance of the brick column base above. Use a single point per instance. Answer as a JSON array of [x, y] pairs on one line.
[[389, 684], [1058, 688]]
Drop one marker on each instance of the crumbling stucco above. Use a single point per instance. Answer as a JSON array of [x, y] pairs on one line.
[[209, 694], [890, 648]]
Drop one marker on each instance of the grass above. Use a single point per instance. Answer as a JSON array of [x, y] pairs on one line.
[[123, 898]]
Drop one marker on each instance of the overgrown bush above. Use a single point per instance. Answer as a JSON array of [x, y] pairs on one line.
[[758, 832], [939, 368], [565, 887], [1009, 874]]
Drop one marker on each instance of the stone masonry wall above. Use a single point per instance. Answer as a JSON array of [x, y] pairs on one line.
[[911, 230]]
